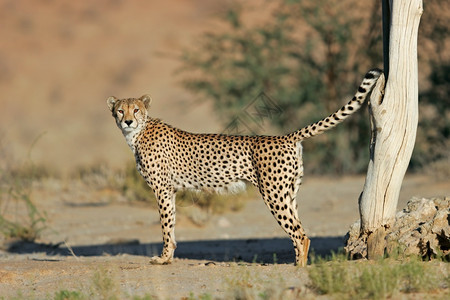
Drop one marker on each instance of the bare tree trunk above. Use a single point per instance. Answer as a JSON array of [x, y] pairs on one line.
[[394, 119]]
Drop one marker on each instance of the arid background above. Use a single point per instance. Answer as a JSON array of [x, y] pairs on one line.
[[59, 61]]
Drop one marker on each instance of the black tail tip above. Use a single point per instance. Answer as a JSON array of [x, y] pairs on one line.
[[375, 72]]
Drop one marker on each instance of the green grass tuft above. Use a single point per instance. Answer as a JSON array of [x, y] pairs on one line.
[[374, 280], [69, 295], [104, 286], [19, 216]]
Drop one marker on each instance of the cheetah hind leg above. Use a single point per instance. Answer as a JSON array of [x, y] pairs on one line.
[[300, 240], [301, 251], [301, 243], [166, 203], [287, 217]]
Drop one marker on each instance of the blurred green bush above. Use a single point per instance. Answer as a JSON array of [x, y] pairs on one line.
[[304, 60]]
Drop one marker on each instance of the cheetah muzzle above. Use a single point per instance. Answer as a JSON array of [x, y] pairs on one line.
[[171, 159]]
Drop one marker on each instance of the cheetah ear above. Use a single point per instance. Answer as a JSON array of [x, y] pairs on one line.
[[111, 101], [147, 100]]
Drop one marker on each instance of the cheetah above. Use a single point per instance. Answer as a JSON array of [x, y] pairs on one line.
[[170, 159]]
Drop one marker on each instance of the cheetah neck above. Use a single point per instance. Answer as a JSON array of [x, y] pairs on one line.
[[132, 137]]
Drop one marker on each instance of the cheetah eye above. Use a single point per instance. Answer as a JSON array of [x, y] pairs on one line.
[[136, 110], [120, 111]]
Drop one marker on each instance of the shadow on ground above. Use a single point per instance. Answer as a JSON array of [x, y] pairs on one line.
[[270, 250]]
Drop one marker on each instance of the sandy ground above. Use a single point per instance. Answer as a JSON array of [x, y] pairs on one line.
[[59, 61], [96, 231]]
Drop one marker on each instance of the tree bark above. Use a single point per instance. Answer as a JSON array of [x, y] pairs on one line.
[[394, 120]]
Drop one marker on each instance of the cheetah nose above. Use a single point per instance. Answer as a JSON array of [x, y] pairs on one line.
[[128, 122]]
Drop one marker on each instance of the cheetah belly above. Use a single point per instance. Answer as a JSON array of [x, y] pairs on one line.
[[215, 163], [204, 179]]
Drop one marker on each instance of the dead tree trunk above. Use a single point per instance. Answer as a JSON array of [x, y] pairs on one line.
[[394, 119]]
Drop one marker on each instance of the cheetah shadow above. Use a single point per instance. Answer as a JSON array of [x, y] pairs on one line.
[[266, 251]]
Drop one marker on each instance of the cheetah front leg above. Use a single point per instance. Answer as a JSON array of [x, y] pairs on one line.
[[166, 207]]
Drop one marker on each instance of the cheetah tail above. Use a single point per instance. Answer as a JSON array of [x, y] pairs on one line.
[[339, 116]]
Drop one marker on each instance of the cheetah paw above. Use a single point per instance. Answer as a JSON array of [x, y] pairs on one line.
[[157, 260]]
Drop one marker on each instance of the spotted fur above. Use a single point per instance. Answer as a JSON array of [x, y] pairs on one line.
[[171, 159]]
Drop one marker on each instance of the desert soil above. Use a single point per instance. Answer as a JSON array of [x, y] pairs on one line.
[[96, 231], [59, 61]]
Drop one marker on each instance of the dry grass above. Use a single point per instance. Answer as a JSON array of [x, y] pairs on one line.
[[196, 206], [377, 280], [19, 216], [336, 277]]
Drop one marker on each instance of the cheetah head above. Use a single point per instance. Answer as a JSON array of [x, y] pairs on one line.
[[130, 114]]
